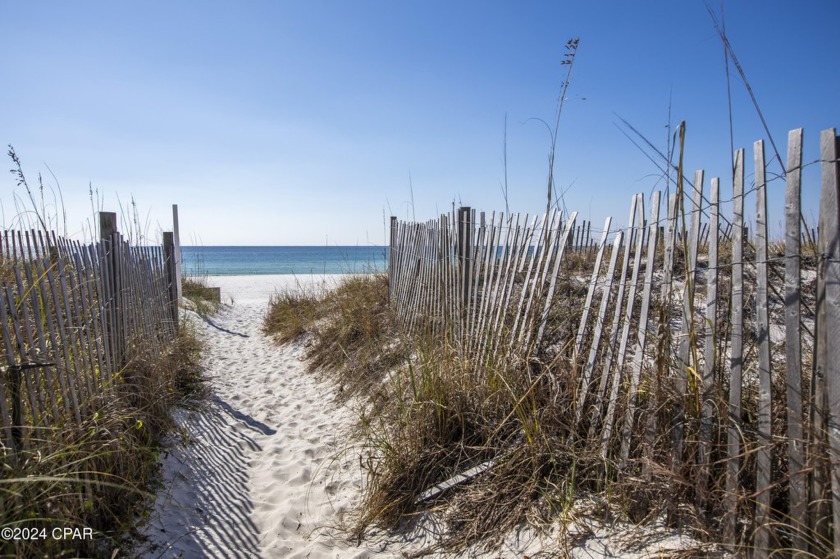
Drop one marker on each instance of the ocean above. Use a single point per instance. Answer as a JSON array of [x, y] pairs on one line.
[[298, 260]]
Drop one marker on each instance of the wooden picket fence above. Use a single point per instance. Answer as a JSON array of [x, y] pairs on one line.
[[673, 348], [72, 316]]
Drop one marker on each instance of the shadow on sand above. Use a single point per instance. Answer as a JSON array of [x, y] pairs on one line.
[[210, 489]]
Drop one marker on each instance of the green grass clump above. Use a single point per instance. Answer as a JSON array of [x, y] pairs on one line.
[[351, 329], [290, 314], [204, 297], [356, 336]]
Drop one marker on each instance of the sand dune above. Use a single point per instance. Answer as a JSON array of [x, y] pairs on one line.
[[260, 470]]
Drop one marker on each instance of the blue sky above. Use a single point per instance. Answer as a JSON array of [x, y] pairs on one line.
[[300, 122]]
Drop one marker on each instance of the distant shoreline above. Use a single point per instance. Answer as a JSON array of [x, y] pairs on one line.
[[258, 289], [282, 260]]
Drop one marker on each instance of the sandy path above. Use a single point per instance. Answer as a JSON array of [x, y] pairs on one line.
[[256, 477]]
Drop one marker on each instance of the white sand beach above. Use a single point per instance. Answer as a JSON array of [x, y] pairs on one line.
[[255, 291], [260, 472]]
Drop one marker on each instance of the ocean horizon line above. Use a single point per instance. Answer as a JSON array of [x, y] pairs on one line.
[[261, 260]]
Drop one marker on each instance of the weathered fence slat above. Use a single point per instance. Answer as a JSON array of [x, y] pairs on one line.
[[663, 358], [5, 415], [76, 326], [492, 285], [616, 321], [547, 248], [627, 322], [75, 346], [687, 332], [589, 366], [477, 263], [75, 384], [38, 320], [20, 318], [641, 338], [708, 378], [596, 270], [465, 252], [414, 276], [28, 309], [87, 260], [56, 343], [506, 285], [830, 252], [533, 265], [733, 441], [764, 450], [549, 298]]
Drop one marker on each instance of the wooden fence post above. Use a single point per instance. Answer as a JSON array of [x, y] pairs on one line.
[[391, 265], [828, 316], [798, 493], [764, 455], [109, 240], [465, 253], [171, 278], [708, 379], [733, 438], [176, 239], [107, 225]]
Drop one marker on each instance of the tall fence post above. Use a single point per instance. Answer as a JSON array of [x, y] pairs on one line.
[[176, 239], [764, 453], [828, 325], [798, 492], [391, 255], [465, 253], [171, 275], [734, 431], [109, 238]]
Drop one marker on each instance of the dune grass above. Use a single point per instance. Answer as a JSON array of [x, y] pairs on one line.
[[98, 474], [349, 329], [291, 314], [428, 415], [203, 297]]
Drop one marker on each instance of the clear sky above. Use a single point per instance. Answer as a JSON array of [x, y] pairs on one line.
[[300, 122]]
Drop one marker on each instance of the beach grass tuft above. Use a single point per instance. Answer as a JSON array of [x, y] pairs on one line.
[[204, 298], [290, 314], [349, 329]]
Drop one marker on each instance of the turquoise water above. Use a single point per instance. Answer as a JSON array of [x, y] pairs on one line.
[[300, 260]]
